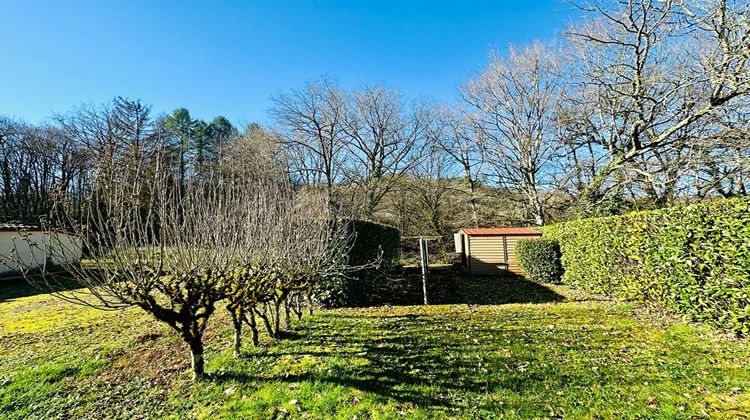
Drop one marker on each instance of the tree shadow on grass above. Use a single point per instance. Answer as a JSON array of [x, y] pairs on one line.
[[449, 285], [412, 359], [18, 287], [510, 288]]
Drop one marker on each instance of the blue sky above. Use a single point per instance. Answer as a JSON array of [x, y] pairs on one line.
[[227, 58]]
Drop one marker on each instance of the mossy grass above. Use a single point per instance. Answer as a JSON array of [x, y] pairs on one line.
[[575, 356]]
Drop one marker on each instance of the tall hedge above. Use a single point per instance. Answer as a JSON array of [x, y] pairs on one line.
[[358, 287], [693, 259], [370, 238]]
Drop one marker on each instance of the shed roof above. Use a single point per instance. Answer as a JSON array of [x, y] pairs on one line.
[[500, 231]]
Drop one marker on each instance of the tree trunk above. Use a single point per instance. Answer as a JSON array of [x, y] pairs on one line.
[[266, 320], [287, 315], [277, 318], [371, 199], [310, 302], [254, 329], [591, 197], [297, 308], [473, 197], [237, 323], [196, 358], [536, 207], [616, 198]]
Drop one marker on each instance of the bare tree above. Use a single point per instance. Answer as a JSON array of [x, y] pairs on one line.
[[513, 103], [313, 247], [171, 254], [651, 71], [257, 154], [430, 187], [463, 142], [34, 162], [311, 123], [720, 162], [384, 139]]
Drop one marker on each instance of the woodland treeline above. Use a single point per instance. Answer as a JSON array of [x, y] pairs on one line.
[[642, 105]]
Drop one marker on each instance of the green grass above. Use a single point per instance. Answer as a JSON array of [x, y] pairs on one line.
[[560, 354]]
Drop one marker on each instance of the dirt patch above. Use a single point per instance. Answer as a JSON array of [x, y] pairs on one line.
[[145, 338], [157, 361]]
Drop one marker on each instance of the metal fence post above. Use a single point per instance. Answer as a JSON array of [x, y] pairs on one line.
[[425, 262]]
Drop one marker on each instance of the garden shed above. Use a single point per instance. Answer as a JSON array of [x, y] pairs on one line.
[[488, 251], [25, 247]]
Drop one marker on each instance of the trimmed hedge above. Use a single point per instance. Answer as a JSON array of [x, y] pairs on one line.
[[540, 259], [370, 238], [357, 288], [693, 259]]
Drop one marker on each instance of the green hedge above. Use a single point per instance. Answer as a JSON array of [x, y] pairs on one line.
[[370, 238], [540, 259], [357, 288], [693, 259]]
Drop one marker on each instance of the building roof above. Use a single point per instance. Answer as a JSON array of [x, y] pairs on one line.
[[4, 227], [500, 231]]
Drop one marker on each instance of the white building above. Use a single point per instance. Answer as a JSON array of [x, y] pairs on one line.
[[31, 248]]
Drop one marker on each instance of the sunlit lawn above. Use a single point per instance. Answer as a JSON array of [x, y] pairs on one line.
[[562, 354]]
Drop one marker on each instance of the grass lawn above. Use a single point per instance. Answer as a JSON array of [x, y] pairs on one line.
[[559, 353]]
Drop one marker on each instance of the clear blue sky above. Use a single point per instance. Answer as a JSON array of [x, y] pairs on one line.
[[227, 58]]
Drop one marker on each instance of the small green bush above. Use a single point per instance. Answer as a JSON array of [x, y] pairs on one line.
[[693, 259], [540, 259]]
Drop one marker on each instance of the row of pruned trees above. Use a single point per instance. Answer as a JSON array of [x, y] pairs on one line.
[[258, 246], [181, 241]]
